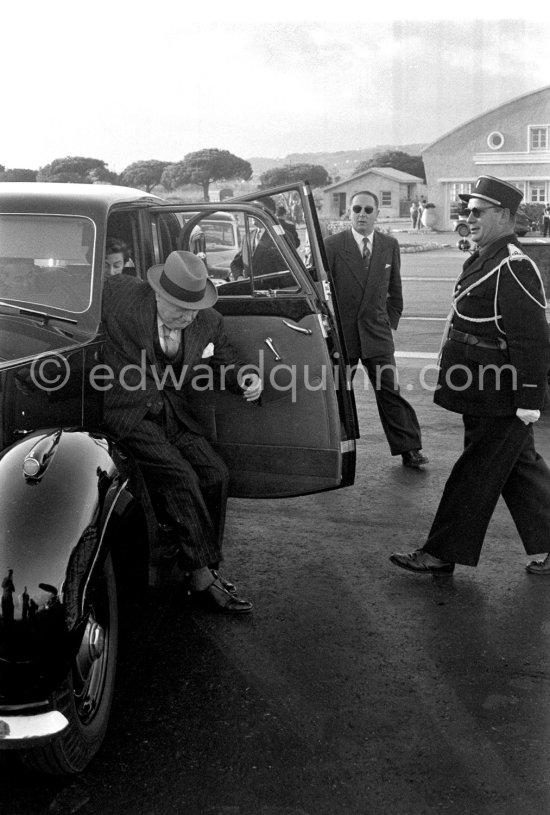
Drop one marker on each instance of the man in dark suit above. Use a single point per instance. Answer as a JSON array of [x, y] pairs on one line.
[[156, 335], [493, 370], [288, 226], [365, 268]]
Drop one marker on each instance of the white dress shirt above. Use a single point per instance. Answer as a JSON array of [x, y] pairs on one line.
[[360, 238], [175, 335]]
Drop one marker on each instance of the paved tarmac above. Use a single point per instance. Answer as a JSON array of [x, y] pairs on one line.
[[355, 688]]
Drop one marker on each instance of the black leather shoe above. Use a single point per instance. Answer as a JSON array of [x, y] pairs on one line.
[[419, 561], [414, 459], [228, 586], [216, 598], [539, 566]]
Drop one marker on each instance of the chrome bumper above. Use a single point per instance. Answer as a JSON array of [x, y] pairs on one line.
[[22, 731]]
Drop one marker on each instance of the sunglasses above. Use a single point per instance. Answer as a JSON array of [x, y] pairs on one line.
[[476, 211], [357, 209]]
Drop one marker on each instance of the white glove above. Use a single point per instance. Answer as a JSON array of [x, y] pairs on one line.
[[528, 416]]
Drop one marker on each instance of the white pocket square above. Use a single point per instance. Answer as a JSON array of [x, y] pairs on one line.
[[387, 266], [208, 351]]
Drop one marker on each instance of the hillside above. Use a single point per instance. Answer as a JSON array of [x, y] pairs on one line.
[[340, 163]]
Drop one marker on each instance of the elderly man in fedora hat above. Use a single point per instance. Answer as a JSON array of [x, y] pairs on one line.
[[493, 370], [156, 333]]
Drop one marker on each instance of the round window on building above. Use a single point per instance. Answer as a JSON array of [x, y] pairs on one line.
[[495, 140]]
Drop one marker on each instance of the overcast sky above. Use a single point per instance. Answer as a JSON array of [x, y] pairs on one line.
[[122, 81]]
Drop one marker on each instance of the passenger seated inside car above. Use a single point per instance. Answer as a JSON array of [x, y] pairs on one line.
[[16, 277], [117, 258]]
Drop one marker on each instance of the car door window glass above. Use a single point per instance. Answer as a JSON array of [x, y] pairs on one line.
[[259, 267], [242, 258], [47, 260]]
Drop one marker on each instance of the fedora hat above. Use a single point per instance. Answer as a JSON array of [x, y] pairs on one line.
[[497, 192], [183, 280]]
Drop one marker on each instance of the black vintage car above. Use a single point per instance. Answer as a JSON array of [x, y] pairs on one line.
[[72, 501]]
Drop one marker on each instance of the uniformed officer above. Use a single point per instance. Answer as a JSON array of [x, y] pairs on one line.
[[494, 362]]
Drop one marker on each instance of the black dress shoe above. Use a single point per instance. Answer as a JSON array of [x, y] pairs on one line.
[[539, 566], [414, 459], [217, 598], [227, 584], [419, 562]]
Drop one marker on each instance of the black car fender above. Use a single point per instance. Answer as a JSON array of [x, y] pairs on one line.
[[61, 490]]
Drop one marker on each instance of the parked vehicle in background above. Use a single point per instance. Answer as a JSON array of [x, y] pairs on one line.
[[523, 224], [220, 243], [461, 226]]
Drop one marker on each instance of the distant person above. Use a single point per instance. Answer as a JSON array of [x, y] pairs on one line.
[[421, 208], [365, 268], [117, 256], [289, 227], [297, 212], [493, 370], [546, 221], [414, 214], [266, 257]]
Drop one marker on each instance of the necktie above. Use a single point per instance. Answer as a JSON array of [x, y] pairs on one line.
[[366, 254], [171, 343]]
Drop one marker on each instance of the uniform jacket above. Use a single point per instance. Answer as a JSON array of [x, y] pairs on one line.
[[489, 382], [370, 304], [129, 316]]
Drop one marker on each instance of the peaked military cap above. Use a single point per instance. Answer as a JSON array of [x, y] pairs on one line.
[[498, 192]]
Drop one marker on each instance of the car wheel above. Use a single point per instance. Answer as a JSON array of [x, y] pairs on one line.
[[463, 230], [86, 695]]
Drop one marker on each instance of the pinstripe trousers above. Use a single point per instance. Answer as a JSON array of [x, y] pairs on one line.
[[187, 479]]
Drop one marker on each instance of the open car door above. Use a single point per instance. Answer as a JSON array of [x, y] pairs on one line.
[[275, 301]]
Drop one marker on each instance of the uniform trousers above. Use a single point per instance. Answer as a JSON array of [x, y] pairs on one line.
[[189, 478], [399, 420], [499, 458]]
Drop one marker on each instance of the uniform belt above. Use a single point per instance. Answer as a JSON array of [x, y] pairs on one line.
[[498, 343]]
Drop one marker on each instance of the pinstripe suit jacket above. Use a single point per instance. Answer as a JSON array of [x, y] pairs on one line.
[[369, 306], [129, 316]]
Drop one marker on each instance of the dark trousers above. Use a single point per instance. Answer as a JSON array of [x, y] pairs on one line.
[[189, 480], [398, 418], [499, 458], [545, 227]]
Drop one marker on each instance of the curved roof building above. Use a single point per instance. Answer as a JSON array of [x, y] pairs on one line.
[[511, 141]]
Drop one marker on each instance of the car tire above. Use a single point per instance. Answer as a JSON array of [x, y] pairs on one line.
[[463, 230], [85, 697]]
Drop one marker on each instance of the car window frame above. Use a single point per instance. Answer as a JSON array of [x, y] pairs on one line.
[[259, 213]]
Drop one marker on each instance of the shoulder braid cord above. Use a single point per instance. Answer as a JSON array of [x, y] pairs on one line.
[[496, 316]]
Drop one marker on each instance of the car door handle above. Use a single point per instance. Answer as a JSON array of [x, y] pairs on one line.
[[269, 343], [298, 328]]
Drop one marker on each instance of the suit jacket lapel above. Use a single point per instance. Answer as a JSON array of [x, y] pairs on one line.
[[193, 342], [146, 318], [373, 275], [352, 256]]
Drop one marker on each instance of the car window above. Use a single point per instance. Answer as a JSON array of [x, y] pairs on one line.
[[239, 251], [265, 263], [47, 260], [220, 235]]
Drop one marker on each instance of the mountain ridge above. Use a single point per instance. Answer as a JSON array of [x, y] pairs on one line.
[[337, 163]]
